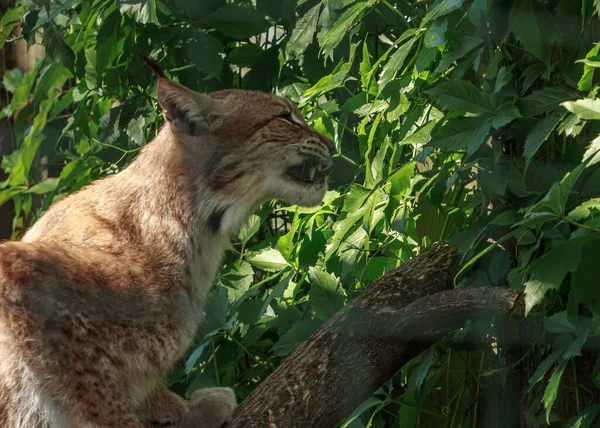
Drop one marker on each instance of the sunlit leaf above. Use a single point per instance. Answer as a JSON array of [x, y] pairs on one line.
[[304, 32], [551, 390], [395, 63], [326, 295], [269, 259], [341, 26], [585, 108]]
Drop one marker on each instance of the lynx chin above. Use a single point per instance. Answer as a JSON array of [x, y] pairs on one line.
[[107, 289]]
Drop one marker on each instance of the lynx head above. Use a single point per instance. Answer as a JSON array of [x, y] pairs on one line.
[[251, 146]]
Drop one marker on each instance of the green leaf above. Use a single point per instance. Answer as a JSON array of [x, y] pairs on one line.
[[249, 228], [422, 136], [110, 40], [503, 78], [548, 271], [540, 133], [588, 416], [555, 200], [205, 53], [368, 83], [458, 50], [296, 336], [461, 96], [354, 199], [395, 63], [530, 34], [587, 273], [585, 108], [12, 79], [285, 243], [46, 186], [21, 94], [57, 48], [543, 368], [478, 11], [46, 15], [19, 175], [52, 79], [584, 210], [325, 296], [551, 390], [586, 83], [505, 114], [400, 180], [363, 407], [304, 32], [195, 356], [559, 323], [428, 358], [507, 218], [215, 310], [592, 153], [546, 100], [337, 32], [574, 349], [269, 259], [435, 35], [250, 311], [9, 21], [238, 22], [462, 133], [7, 194], [237, 279], [245, 55], [442, 8], [135, 131], [532, 73], [142, 11]]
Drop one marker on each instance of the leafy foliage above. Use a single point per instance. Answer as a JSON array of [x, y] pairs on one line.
[[469, 120]]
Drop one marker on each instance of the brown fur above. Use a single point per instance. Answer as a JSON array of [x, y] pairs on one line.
[[105, 292]]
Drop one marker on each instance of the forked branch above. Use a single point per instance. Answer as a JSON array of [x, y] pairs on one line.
[[367, 342]]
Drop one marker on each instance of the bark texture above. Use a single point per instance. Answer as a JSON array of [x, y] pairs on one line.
[[367, 342]]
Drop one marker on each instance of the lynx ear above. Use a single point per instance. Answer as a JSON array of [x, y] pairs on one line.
[[189, 112]]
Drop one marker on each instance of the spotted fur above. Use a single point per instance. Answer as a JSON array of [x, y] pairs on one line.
[[106, 290]]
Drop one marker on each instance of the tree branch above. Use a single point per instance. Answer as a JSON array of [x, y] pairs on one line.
[[367, 342]]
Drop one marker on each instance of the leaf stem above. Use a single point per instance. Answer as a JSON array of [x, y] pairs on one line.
[[581, 225], [389, 5]]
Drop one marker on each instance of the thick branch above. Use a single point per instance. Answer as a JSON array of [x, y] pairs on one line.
[[367, 342]]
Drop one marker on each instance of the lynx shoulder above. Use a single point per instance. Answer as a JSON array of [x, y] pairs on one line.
[[106, 290]]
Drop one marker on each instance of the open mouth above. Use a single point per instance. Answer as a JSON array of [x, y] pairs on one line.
[[308, 171]]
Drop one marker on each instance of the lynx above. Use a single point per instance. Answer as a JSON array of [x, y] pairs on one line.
[[106, 290]]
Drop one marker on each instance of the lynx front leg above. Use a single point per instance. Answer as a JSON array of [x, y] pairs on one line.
[[210, 408], [163, 409]]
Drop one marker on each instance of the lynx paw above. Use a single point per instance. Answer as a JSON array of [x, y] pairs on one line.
[[211, 407]]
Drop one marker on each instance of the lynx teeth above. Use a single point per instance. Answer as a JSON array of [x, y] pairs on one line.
[[312, 173]]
